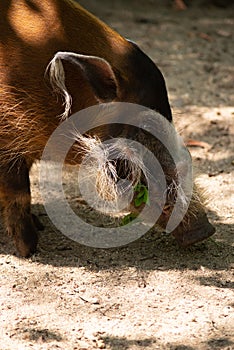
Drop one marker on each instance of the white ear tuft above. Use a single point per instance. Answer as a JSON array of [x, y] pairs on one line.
[[96, 70], [56, 74]]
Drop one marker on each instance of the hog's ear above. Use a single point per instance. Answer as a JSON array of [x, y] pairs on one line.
[[96, 70]]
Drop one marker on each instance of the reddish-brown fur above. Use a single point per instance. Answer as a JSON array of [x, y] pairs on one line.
[[31, 32]]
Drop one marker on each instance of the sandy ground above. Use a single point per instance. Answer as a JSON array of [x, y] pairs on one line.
[[150, 294]]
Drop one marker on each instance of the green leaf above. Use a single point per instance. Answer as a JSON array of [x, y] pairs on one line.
[[138, 202], [142, 196], [128, 219], [146, 198]]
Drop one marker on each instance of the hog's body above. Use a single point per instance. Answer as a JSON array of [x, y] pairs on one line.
[[99, 66]]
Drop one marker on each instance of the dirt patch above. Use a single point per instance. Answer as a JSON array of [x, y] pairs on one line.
[[150, 294]]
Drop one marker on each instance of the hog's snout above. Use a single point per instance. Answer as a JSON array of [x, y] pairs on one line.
[[198, 229]]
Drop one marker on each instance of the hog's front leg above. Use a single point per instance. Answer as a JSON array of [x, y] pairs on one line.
[[15, 200]]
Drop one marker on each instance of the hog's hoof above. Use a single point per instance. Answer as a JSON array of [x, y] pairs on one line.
[[199, 231], [26, 239], [26, 248]]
